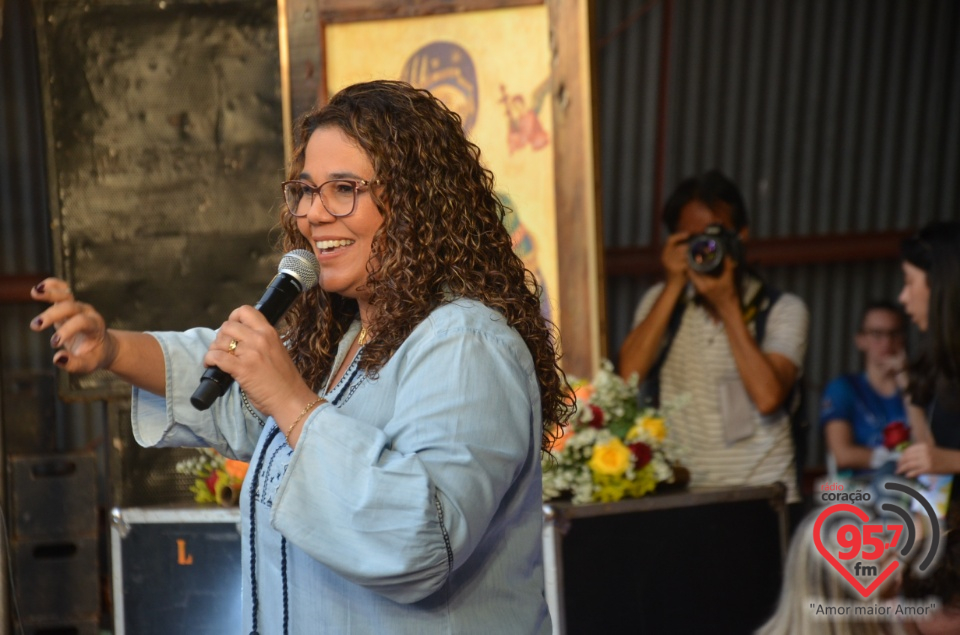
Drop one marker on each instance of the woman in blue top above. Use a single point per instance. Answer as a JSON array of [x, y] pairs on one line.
[[395, 423], [856, 408]]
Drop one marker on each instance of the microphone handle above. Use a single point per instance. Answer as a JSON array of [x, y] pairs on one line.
[[213, 383], [279, 296], [275, 301]]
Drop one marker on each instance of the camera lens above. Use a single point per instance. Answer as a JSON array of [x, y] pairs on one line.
[[706, 254]]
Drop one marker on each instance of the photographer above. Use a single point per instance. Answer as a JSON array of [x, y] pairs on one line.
[[695, 339]]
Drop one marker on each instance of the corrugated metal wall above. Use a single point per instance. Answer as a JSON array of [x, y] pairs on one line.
[[25, 248], [24, 234], [834, 117]]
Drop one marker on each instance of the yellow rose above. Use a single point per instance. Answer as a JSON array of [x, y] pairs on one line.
[[655, 427], [612, 458]]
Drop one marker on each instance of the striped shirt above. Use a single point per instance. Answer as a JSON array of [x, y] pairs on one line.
[[698, 365]]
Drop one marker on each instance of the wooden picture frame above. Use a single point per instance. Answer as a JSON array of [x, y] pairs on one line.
[[303, 57]]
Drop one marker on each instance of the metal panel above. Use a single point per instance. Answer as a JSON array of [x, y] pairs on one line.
[[628, 123], [833, 116], [165, 152], [24, 241], [24, 224], [144, 476]]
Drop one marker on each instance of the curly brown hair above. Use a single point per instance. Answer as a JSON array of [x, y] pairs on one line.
[[442, 236]]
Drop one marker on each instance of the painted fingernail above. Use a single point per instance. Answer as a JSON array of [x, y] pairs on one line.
[[55, 340], [61, 361], [40, 287], [38, 322]]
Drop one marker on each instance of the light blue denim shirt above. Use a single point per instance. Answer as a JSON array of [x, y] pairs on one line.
[[412, 503]]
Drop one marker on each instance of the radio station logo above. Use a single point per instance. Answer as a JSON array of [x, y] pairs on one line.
[[869, 550]]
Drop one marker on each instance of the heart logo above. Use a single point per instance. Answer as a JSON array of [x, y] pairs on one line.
[[862, 515]]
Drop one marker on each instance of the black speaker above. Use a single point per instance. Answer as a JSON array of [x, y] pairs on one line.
[[176, 570], [706, 560]]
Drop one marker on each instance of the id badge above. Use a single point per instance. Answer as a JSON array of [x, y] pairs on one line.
[[736, 411]]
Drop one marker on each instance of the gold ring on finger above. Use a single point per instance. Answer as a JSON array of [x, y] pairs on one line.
[[232, 347]]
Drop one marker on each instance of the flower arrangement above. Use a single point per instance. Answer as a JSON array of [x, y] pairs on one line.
[[218, 479], [611, 448]]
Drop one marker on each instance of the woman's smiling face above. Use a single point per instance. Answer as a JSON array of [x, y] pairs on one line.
[[342, 244]]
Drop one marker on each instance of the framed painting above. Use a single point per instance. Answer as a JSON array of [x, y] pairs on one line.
[[519, 74]]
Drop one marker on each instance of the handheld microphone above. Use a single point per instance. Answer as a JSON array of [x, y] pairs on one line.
[[297, 273]]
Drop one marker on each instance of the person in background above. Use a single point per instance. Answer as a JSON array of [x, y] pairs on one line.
[[940, 587], [735, 428], [860, 412], [931, 297], [396, 422]]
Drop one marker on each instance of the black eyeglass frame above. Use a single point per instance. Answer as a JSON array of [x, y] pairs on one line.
[[315, 191], [896, 334]]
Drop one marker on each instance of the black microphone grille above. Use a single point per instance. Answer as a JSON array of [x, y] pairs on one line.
[[302, 265]]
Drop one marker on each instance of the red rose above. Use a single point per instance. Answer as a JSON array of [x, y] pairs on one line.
[[642, 452], [597, 420], [895, 433], [212, 482]]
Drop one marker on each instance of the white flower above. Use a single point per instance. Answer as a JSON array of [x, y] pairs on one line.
[[567, 472]]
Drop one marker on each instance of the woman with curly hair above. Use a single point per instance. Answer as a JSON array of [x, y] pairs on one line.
[[395, 423]]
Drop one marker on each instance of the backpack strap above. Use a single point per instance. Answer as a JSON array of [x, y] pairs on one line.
[[759, 310], [649, 391]]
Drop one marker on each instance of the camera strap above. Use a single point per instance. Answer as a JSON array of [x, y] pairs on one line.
[[756, 310]]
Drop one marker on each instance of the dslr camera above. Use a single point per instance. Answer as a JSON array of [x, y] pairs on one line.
[[707, 250]]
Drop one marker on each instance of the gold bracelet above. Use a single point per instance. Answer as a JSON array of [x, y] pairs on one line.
[[305, 410]]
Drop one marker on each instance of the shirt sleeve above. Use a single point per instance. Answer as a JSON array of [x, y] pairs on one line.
[[396, 508], [172, 421], [787, 329], [837, 402], [646, 303]]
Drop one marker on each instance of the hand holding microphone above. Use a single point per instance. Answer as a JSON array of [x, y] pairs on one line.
[[298, 272]]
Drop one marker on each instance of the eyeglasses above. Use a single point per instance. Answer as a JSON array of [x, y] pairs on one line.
[[881, 333], [339, 196]]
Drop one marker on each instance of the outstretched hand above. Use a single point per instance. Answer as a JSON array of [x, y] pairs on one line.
[[80, 334]]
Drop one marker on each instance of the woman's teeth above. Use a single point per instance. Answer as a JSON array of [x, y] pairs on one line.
[[326, 245]]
